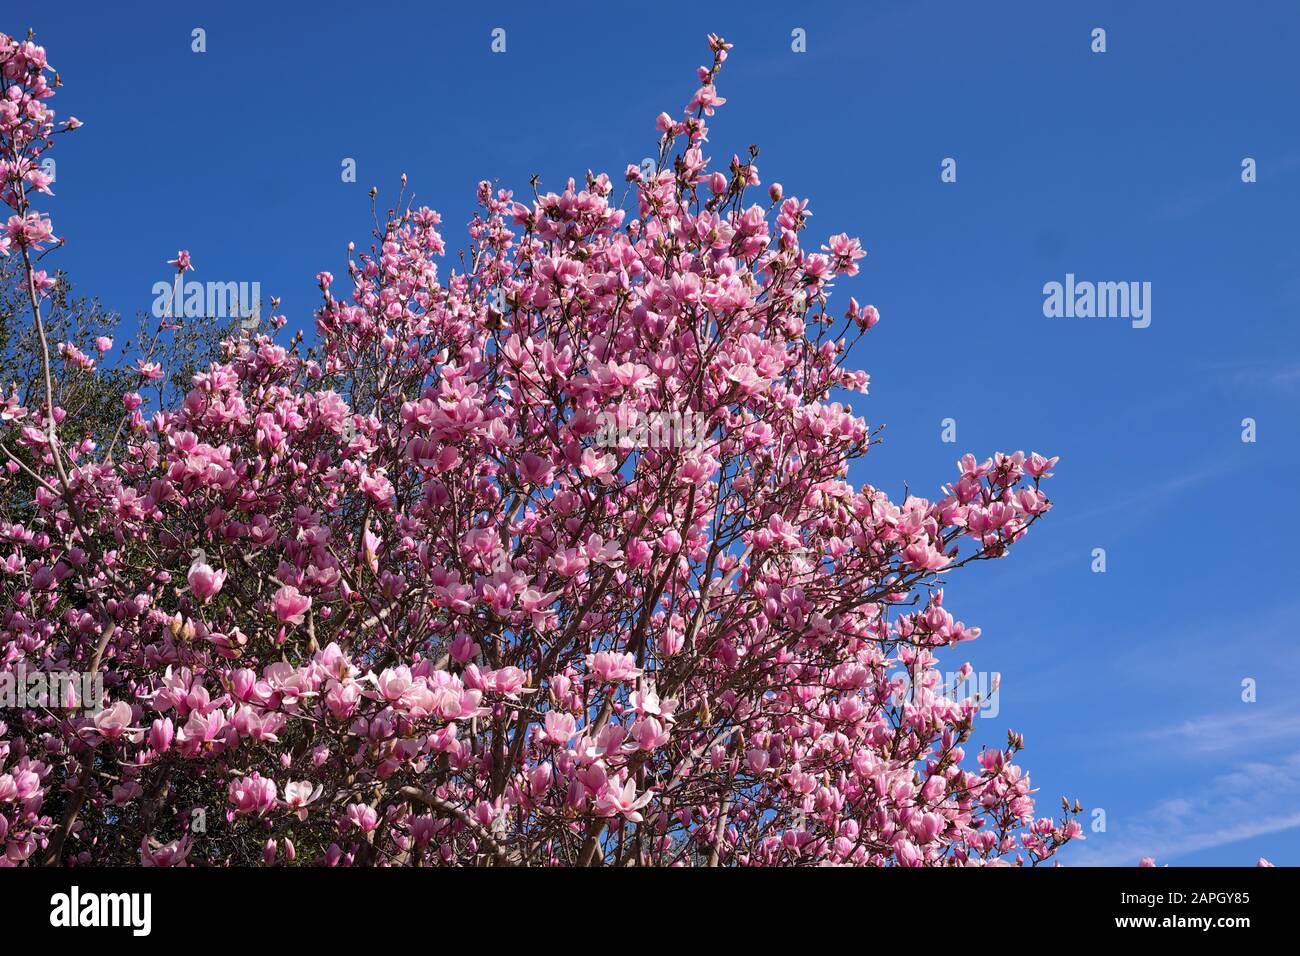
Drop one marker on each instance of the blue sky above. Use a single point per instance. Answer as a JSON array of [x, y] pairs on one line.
[[1119, 166]]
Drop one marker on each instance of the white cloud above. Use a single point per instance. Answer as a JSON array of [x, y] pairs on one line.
[[1250, 728], [1253, 799]]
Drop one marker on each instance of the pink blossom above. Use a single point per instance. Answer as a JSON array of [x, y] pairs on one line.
[[290, 605], [607, 666], [560, 728], [616, 801], [205, 582], [167, 854], [363, 817], [161, 734], [114, 721], [252, 794]]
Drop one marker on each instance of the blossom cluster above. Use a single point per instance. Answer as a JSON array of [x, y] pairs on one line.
[[387, 600]]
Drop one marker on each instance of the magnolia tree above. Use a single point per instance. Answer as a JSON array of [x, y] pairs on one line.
[[548, 560]]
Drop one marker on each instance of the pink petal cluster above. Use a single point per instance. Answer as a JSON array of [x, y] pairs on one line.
[[205, 582], [291, 605]]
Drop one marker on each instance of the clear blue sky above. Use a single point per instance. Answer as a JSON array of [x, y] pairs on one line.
[[1122, 166]]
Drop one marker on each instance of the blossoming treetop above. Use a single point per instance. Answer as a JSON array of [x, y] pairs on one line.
[[388, 600]]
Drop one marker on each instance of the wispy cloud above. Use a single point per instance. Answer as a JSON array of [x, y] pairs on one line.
[[1192, 199], [1252, 727], [1253, 799], [1151, 497], [1251, 375]]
